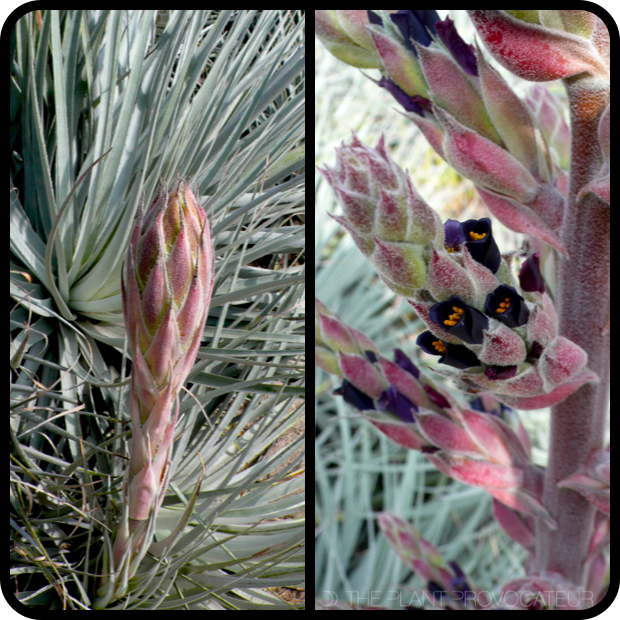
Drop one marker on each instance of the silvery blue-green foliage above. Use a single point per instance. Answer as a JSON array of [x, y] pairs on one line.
[[104, 105]]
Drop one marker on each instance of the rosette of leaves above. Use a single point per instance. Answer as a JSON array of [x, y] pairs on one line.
[[104, 105]]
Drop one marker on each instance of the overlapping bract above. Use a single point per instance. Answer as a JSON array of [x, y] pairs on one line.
[[545, 45], [167, 288], [592, 481]]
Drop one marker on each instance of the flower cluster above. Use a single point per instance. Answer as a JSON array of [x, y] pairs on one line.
[[497, 331], [468, 444]]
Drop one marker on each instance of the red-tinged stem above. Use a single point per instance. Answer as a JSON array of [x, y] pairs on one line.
[[583, 300]]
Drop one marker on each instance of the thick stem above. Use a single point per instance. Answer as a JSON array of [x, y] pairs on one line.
[[578, 423]]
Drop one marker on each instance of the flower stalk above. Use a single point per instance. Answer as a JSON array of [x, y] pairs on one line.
[[585, 324]]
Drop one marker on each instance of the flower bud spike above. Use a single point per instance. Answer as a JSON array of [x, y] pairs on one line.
[[167, 284]]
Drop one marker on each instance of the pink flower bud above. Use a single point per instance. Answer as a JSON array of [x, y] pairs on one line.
[[547, 400], [331, 335], [447, 278], [560, 362], [502, 346], [592, 480], [404, 382], [402, 433], [432, 130], [446, 435], [519, 527], [354, 24], [520, 218], [454, 91], [542, 325], [477, 473], [513, 120], [362, 374]]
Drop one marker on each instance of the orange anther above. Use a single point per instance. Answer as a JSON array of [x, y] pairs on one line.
[[504, 305]]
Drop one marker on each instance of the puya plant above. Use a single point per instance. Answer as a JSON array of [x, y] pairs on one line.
[[499, 330], [180, 487]]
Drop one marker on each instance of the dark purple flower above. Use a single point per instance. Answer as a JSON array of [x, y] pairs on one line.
[[507, 306], [417, 103], [477, 404], [453, 237], [372, 358], [355, 397], [459, 582], [392, 401], [455, 355], [460, 320], [405, 363], [530, 278], [462, 52], [479, 241], [417, 25]]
